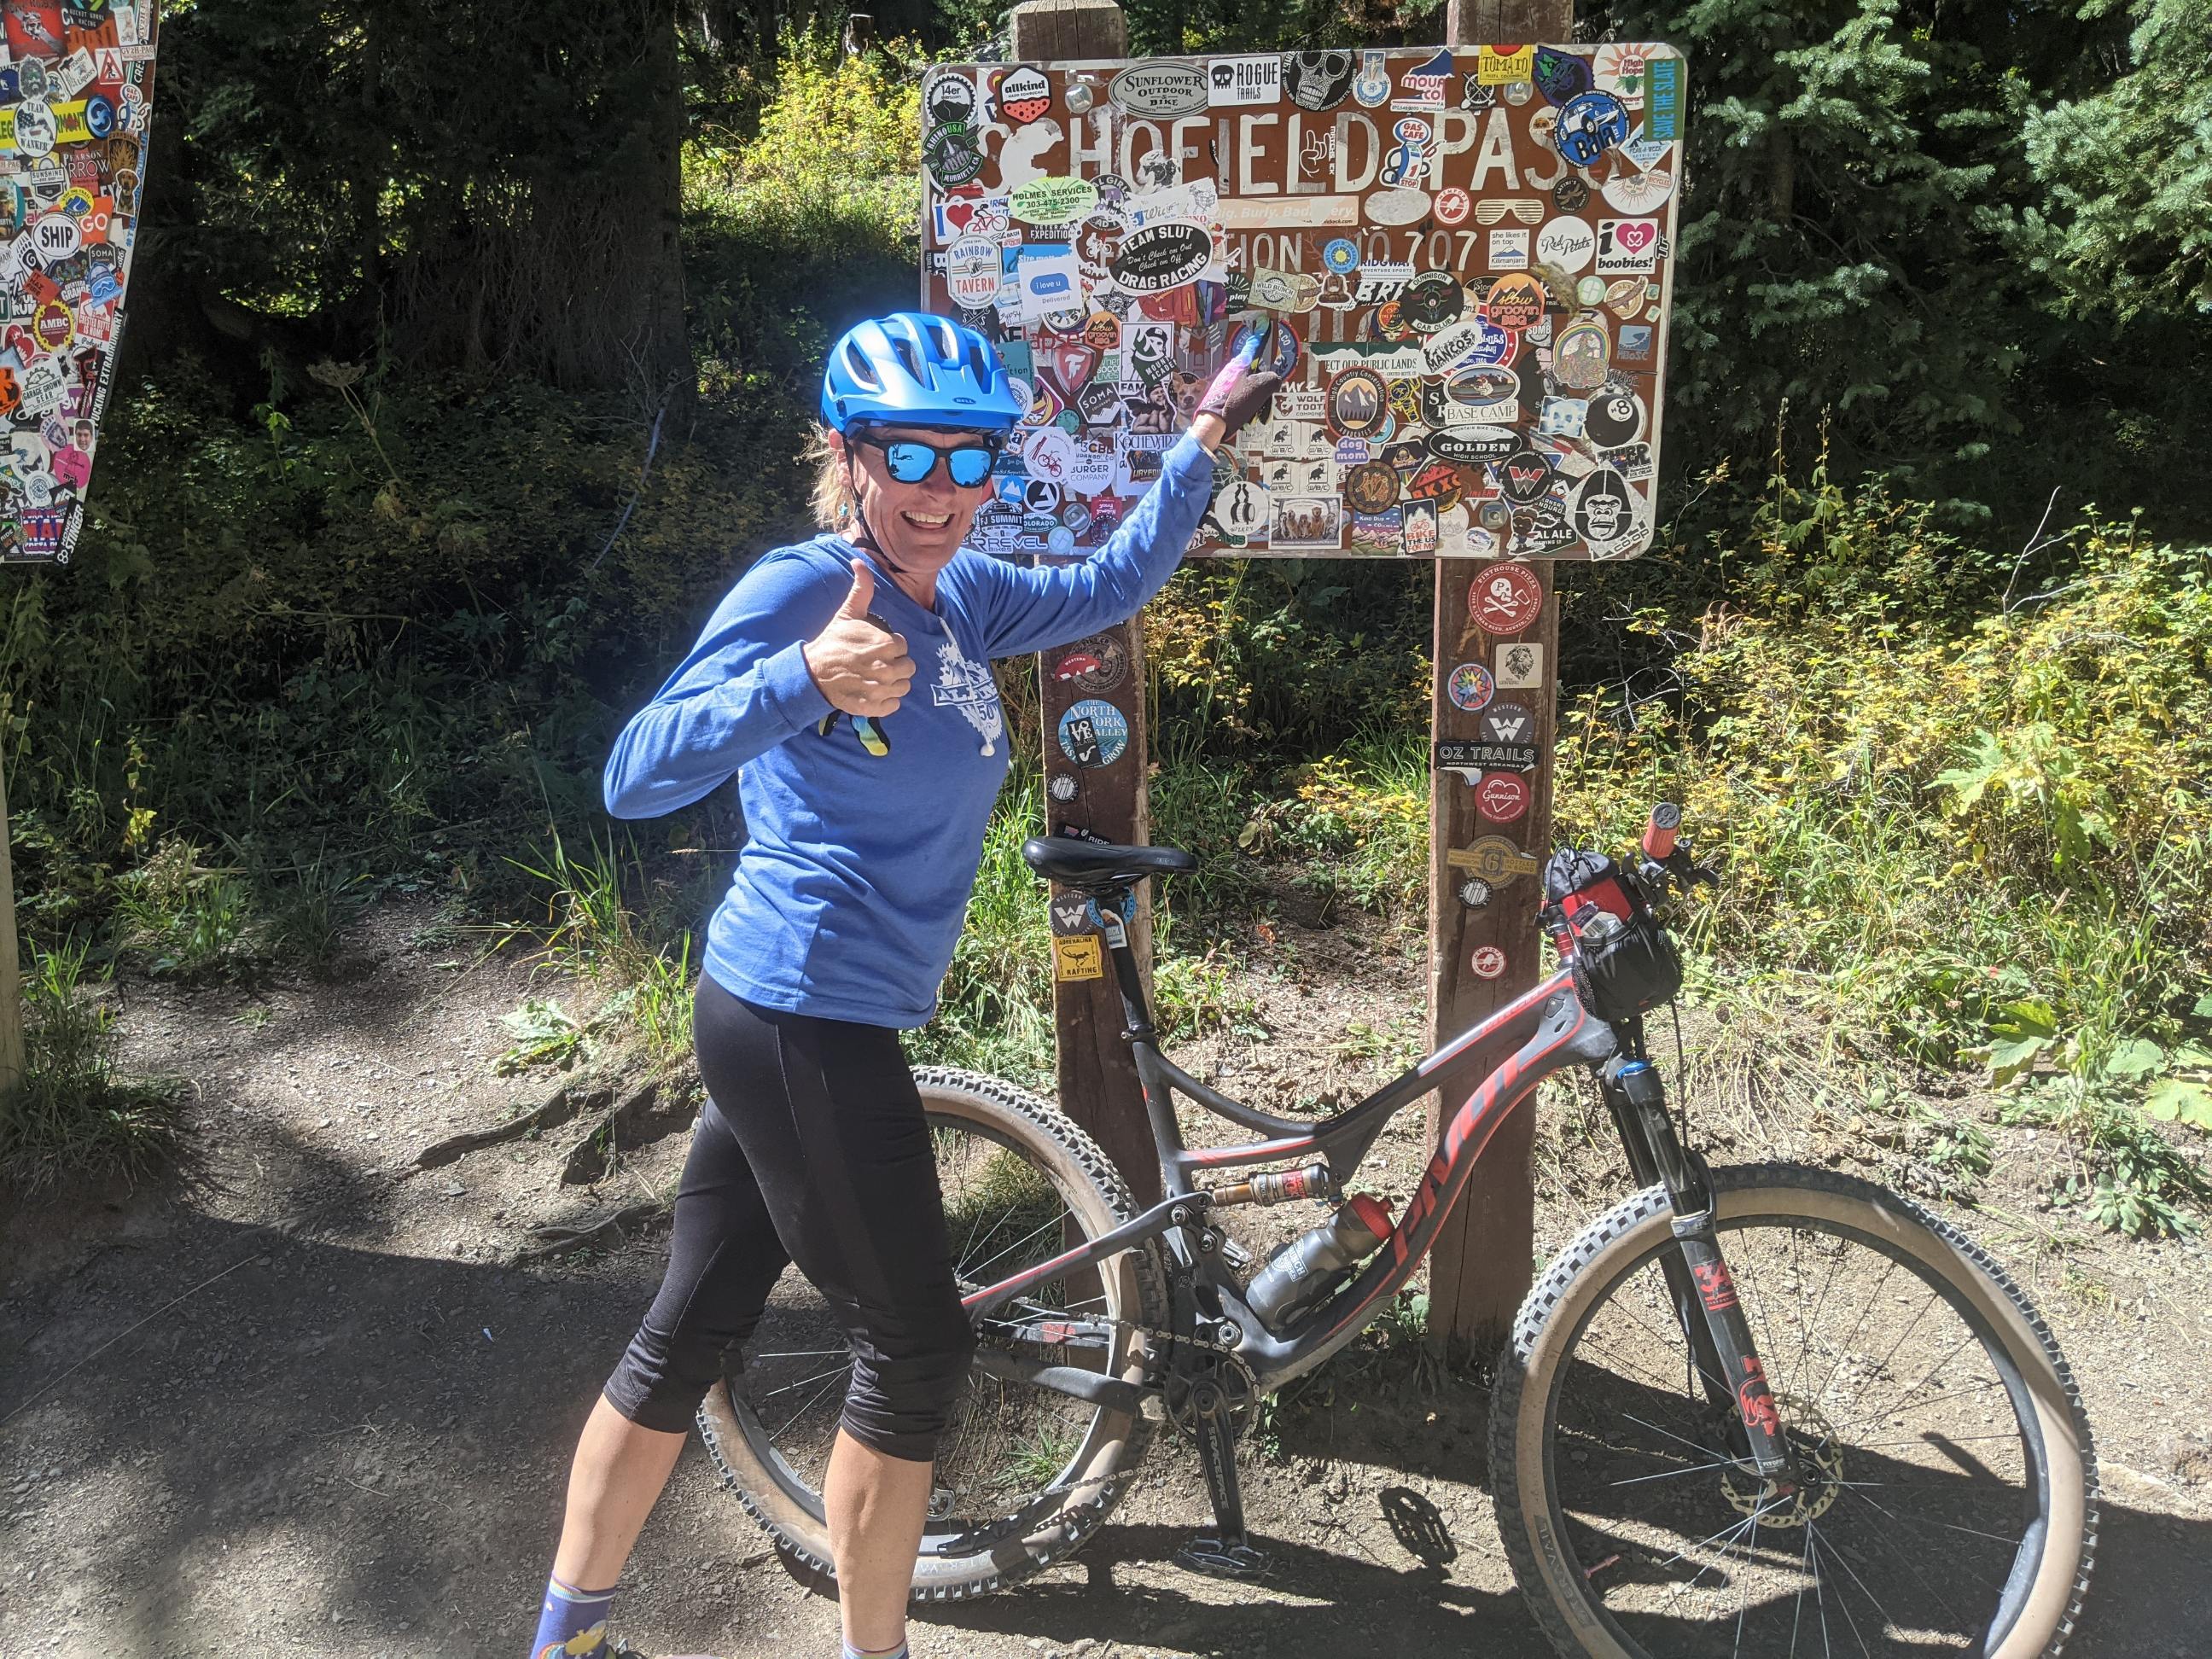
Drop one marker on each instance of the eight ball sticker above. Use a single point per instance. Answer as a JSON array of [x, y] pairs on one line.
[[1093, 733]]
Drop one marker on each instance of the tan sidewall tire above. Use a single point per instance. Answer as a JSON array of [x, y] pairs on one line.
[[1095, 1192], [1556, 1307]]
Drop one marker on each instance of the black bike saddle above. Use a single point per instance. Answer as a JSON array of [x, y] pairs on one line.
[[1101, 864]]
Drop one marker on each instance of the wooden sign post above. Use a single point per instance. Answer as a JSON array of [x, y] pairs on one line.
[[1099, 1087], [1481, 957], [11, 976], [1462, 258]]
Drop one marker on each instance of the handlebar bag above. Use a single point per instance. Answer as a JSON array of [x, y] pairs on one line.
[[1624, 964]]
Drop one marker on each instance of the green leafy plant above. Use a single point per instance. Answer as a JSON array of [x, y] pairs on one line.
[[75, 1116]]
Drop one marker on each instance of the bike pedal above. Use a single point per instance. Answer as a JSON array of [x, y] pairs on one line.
[[1222, 1557]]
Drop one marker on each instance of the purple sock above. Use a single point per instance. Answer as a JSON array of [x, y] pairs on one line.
[[573, 1623]]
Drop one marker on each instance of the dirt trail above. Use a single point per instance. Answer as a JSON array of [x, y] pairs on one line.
[[331, 1419]]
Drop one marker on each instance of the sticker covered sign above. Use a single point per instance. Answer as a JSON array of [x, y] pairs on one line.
[[1466, 259], [77, 87]]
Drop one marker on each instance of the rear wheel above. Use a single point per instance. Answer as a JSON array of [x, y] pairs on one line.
[[1024, 1475], [1949, 1503]]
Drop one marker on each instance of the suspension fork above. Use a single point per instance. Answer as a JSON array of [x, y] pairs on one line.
[[1703, 1290]]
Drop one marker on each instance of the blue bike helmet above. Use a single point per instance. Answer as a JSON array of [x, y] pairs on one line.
[[912, 369]]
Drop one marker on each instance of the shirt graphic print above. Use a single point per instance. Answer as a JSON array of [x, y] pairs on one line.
[[968, 686]]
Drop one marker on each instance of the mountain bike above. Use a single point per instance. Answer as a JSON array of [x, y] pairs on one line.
[[1766, 1409]]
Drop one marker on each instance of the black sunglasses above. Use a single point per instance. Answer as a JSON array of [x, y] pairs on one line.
[[909, 460]]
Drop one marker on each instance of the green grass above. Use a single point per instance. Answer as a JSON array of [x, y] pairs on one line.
[[74, 1117]]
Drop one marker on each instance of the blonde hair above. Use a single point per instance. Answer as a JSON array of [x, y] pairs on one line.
[[832, 492]]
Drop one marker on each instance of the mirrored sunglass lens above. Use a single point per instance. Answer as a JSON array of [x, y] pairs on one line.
[[969, 466], [909, 463]]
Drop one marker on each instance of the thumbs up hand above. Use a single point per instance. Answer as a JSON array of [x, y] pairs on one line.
[[859, 664]]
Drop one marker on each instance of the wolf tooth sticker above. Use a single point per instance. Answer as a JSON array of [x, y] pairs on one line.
[[1520, 666], [1525, 477], [1488, 962], [1093, 733], [1505, 599], [1093, 666], [1470, 686]]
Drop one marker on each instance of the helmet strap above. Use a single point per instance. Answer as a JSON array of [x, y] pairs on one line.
[[869, 539]]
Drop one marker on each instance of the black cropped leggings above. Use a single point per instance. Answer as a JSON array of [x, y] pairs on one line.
[[812, 1149]]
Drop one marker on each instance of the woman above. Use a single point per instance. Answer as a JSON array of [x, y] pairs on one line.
[[865, 796]]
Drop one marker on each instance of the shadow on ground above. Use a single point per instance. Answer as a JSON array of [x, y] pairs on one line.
[[349, 1452]]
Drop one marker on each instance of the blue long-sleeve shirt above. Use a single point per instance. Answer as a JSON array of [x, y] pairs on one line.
[[849, 893]]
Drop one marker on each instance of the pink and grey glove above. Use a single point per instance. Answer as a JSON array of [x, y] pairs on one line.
[[1240, 393]]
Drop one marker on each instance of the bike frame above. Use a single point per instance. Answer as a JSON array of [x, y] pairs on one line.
[[1564, 1033]]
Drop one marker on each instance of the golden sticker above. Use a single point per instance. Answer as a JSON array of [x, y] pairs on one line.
[[1079, 958]]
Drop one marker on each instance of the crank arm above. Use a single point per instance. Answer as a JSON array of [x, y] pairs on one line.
[[1110, 1393]]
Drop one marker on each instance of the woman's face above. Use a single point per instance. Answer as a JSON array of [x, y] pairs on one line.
[[918, 525]]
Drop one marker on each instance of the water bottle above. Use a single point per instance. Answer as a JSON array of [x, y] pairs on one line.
[[1304, 1272]]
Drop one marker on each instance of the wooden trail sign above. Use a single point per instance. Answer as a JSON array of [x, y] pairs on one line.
[[1469, 269], [1465, 256]]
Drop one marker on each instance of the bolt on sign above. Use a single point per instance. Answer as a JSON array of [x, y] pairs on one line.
[[1467, 255], [77, 87]]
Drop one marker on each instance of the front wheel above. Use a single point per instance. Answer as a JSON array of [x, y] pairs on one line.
[[1023, 1474], [1948, 1497]]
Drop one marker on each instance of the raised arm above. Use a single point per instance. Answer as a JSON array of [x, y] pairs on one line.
[[1035, 609], [744, 688]]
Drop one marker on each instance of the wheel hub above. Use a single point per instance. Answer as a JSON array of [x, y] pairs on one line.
[[1820, 1463]]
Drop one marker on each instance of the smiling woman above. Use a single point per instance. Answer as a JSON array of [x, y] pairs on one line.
[[845, 683]]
